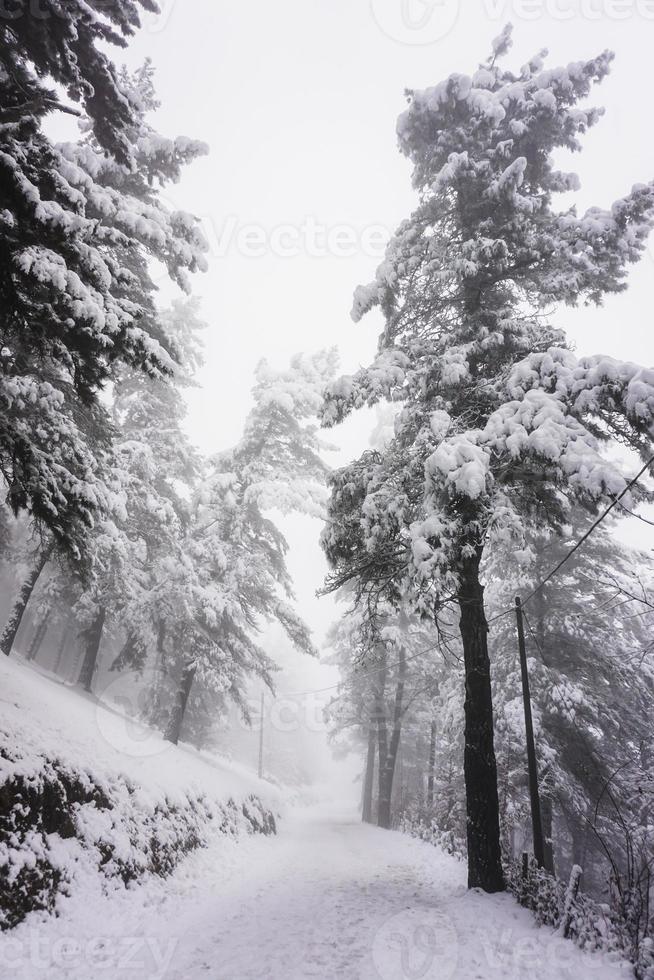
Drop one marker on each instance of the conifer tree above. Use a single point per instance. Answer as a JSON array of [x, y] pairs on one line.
[[501, 423], [80, 225], [230, 576]]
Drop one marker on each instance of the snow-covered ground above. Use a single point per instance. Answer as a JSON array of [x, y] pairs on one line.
[[40, 714], [328, 898]]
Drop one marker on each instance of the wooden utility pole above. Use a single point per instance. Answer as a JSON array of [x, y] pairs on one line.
[[536, 817], [261, 739]]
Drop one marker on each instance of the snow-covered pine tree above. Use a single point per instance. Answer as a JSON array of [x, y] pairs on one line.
[[64, 44], [231, 575], [152, 477], [80, 224], [501, 423]]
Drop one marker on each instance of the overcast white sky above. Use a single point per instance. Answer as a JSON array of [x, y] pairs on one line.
[[298, 101]]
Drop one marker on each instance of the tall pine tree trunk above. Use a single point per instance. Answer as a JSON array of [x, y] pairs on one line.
[[13, 623], [480, 769], [388, 748], [369, 777], [174, 729], [93, 636], [63, 643], [546, 816], [39, 635], [432, 762], [383, 792]]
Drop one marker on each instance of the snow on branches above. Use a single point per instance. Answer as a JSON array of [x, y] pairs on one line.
[[500, 418], [80, 227]]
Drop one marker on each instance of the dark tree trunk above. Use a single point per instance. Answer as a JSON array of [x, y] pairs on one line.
[[93, 637], [432, 761], [388, 748], [174, 728], [383, 788], [480, 769], [39, 635], [546, 814], [131, 655], [369, 777], [17, 613], [63, 643], [161, 642]]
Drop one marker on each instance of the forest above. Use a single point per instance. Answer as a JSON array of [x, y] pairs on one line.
[[477, 488]]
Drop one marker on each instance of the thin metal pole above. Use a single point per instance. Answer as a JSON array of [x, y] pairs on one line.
[[261, 739], [536, 818]]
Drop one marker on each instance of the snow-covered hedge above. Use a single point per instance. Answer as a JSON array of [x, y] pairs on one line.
[[427, 830], [56, 820], [591, 925]]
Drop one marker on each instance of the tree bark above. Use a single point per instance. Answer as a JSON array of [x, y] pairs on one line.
[[13, 623], [369, 777], [174, 728], [63, 643], [480, 769], [384, 791], [546, 814], [388, 748], [432, 761], [39, 635], [92, 649]]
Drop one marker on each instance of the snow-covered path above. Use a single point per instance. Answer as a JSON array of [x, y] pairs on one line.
[[328, 898]]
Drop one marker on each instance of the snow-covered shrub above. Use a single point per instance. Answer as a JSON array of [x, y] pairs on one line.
[[56, 820], [412, 823], [591, 925]]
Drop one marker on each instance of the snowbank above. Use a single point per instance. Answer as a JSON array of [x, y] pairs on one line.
[[86, 791]]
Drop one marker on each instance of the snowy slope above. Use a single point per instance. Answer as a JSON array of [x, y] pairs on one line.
[[329, 898], [92, 802], [40, 714]]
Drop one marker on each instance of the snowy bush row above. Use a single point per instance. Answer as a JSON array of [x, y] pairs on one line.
[[58, 823], [427, 830], [592, 925]]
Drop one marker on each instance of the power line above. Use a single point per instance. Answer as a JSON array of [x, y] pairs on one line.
[[616, 500], [366, 673], [535, 639], [592, 528]]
